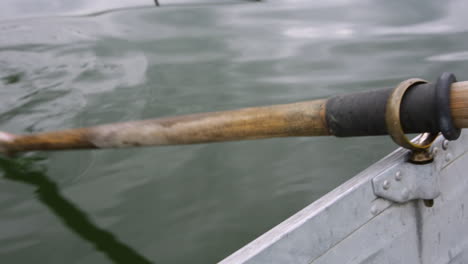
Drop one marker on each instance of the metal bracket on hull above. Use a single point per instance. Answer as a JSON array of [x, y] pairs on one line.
[[406, 182]]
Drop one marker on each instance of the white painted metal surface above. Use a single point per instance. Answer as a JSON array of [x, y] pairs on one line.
[[352, 224]]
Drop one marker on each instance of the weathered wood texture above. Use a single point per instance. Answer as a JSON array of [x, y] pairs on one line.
[[288, 120], [296, 119]]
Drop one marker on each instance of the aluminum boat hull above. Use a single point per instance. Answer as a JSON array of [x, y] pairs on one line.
[[352, 224]]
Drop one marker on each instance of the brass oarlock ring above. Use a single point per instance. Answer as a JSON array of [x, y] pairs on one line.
[[419, 148]]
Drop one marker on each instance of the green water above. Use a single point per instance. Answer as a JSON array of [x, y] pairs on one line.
[[81, 63]]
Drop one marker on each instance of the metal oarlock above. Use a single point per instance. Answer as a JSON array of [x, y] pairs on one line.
[[419, 150], [420, 153]]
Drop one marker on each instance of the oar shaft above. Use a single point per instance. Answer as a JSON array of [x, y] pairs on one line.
[[296, 119], [459, 104], [309, 118]]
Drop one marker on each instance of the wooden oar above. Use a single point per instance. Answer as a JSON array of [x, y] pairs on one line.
[[309, 118]]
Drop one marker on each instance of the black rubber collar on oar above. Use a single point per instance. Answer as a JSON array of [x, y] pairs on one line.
[[424, 108], [442, 101]]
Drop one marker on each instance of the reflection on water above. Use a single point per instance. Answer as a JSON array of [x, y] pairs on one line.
[[455, 56], [28, 171], [14, 9], [67, 64]]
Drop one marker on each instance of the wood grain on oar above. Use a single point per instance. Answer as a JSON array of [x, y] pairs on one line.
[[307, 118], [296, 119], [459, 104]]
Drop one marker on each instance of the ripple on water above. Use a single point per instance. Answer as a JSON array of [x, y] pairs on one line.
[[49, 69], [200, 202], [453, 56], [37, 88]]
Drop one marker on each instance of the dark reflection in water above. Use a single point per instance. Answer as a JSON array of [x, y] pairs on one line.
[[27, 170], [87, 62]]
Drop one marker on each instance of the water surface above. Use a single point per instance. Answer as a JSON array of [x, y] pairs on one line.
[[66, 64]]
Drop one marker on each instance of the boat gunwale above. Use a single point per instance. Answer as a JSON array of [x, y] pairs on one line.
[[270, 242]]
